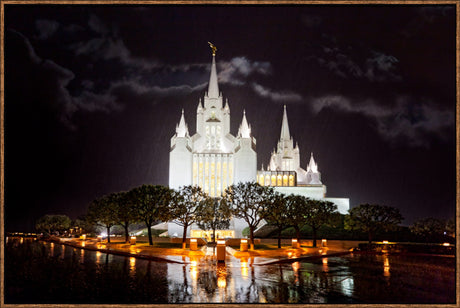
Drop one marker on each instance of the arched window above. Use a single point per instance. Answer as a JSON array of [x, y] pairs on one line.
[[291, 180], [285, 180], [261, 180]]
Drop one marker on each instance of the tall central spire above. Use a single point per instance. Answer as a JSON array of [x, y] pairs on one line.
[[213, 89], [285, 127]]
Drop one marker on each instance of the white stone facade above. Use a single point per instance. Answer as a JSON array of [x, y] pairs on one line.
[[214, 159]]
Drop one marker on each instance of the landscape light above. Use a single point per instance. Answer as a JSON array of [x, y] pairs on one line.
[[445, 244], [385, 242], [220, 242]]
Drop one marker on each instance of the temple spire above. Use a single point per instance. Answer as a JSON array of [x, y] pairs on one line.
[[245, 129], [285, 135], [213, 89], [312, 166], [182, 129]]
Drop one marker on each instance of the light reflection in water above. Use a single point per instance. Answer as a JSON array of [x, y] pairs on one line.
[[98, 257], [51, 249], [386, 266], [132, 266], [63, 252], [193, 270], [83, 244], [82, 256], [295, 267], [221, 275], [325, 265], [244, 268]]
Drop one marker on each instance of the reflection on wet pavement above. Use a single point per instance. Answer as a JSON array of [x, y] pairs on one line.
[[200, 278]]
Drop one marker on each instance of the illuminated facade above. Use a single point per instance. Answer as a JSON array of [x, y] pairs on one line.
[[286, 176], [214, 159]]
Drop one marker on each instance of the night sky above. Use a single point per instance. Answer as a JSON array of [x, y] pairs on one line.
[[93, 95]]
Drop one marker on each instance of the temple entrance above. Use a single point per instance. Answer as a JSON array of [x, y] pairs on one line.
[[207, 234]]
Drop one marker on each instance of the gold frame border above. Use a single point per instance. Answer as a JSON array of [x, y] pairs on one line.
[[226, 2]]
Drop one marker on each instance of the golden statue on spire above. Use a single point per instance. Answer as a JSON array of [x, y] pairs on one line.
[[214, 48]]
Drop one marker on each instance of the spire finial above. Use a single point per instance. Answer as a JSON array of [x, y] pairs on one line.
[[214, 48], [213, 88]]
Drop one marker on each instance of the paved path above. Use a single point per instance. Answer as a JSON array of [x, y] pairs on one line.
[[207, 254]]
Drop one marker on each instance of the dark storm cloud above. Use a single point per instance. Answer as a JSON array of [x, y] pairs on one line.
[[377, 66], [56, 80], [46, 28], [408, 121]]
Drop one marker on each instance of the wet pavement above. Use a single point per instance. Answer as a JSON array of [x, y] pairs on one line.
[[197, 277]]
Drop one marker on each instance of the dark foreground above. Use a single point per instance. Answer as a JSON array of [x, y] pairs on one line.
[[37, 272]]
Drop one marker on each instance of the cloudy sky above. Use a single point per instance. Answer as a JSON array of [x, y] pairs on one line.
[[93, 94]]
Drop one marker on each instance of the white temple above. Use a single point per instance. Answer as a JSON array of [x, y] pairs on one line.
[[214, 159]]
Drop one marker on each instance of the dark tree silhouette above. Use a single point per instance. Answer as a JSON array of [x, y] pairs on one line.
[[276, 214], [371, 218], [183, 205], [102, 211], [150, 205], [213, 214], [248, 201], [319, 213]]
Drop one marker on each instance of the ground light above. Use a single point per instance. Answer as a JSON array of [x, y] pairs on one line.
[[295, 244], [220, 250], [193, 244], [244, 245], [133, 240]]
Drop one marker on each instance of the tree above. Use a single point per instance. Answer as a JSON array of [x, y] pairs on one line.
[[184, 204], [213, 214], [450, 226], [83, 225], [276, 213], [150, 205], [53, 223], [297, 206], [102, 211], [371, 218], [248, 201], [429, 228], [125, 214], [318, 214]]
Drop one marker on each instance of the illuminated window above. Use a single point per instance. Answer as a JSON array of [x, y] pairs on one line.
[[285, 180], [195, 171], [267, 180], [291, 180], [230, 173], [200, 174], [279, 181], [261, 180], [273, 180]]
